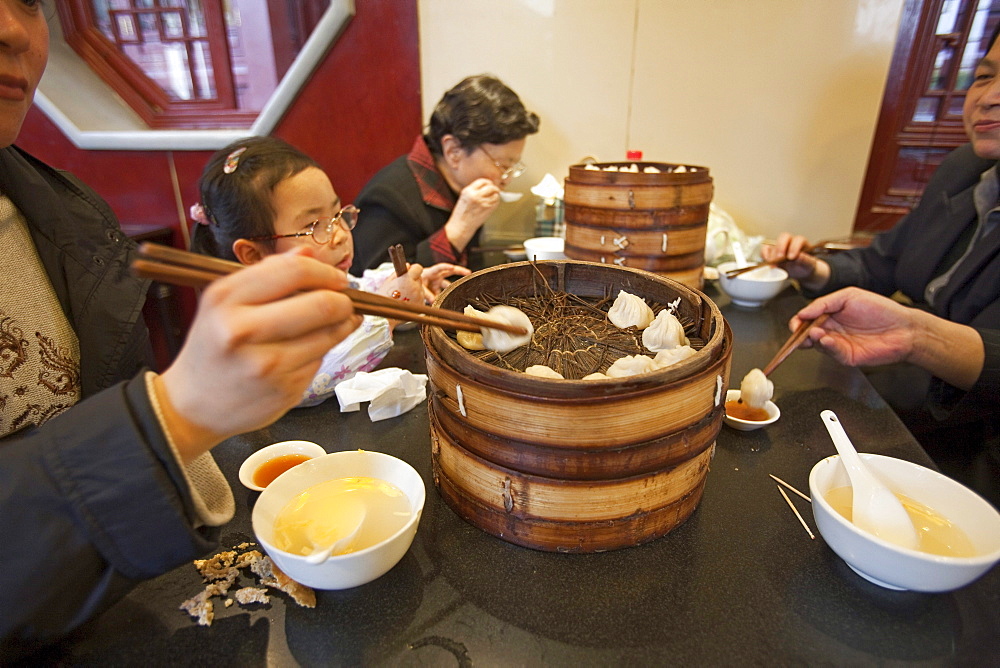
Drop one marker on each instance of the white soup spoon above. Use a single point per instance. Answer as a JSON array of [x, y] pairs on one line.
[[875, 508], [318, 556]]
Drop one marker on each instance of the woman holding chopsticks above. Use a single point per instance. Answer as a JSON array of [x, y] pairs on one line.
[[105, 475], [261, 196]]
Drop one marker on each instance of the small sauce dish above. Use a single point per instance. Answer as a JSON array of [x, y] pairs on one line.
[[271, 461], [749, 425]]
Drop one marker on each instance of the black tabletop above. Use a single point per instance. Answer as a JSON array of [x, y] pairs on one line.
[[738, 582]]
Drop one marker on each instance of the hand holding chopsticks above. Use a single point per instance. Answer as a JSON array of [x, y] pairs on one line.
[[820, 248], [179, 267], [797, 337]]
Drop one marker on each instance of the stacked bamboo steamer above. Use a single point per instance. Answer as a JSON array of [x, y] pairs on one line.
[[644, 215], [573, 465]]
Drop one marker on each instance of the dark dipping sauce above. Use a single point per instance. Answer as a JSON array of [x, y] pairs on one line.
[[272, 468], [740, 411]]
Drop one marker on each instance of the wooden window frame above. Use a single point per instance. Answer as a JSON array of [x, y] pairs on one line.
[[143, 94], [883, 202]]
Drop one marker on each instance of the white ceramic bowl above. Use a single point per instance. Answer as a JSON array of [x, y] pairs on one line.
[[890, 565], [344, 570], [749, 425], [754, 288], [545, 248], [254, 461]]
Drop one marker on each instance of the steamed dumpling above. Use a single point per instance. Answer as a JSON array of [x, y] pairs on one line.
[[597, 375], [471, 340], [631, 365], [672, 356], [543, 371], [756, 390], [501, 341], [630, 311], [665, 333]]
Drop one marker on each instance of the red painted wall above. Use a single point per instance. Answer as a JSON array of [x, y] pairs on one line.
[[359, 110]]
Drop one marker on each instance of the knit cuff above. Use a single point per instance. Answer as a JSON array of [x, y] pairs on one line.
[[211, 497]]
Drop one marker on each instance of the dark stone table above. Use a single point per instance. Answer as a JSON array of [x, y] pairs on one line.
[[739, 583]]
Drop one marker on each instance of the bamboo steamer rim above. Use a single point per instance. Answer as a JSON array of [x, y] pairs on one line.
[[619, 388], [449, 353], [695, 174]]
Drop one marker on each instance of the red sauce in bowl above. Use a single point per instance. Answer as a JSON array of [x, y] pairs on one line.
[[740, 411], [272, 468]]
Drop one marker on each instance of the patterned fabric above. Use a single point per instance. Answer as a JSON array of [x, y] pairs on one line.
[[362, 350], [39, 351], [436, 193]]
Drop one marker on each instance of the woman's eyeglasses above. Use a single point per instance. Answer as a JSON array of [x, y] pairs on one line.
[[321, 230], [506, 173]]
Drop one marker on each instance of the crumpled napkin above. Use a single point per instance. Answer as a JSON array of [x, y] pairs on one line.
[[391, 391], [548, 189]]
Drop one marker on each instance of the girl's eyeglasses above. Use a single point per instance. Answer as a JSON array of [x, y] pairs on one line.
[[321, 230]]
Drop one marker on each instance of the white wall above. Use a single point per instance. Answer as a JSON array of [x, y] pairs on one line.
[[778, 98]]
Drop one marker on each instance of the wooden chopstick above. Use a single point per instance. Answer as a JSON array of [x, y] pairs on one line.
[[797, 337], [398, 259], [179, 267]]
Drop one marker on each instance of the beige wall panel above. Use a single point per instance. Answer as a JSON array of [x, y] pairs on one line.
[[779, 98]]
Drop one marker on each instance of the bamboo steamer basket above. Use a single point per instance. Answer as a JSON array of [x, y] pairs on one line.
[[574, 465], [655, 222]]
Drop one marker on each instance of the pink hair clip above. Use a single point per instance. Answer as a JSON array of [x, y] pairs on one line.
[[233, 160], [198, 214]]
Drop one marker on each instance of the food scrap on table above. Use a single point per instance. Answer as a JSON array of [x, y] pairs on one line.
[[221, 572]]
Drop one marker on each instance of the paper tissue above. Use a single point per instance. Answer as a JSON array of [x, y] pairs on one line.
[[391, 391], [549, 211]]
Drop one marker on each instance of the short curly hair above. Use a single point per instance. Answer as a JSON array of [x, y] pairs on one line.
[[480, 109]]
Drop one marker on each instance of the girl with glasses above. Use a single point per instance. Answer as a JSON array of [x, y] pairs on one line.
[[261, 196]]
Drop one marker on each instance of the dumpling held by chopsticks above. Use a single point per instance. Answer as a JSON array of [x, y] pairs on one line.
[[503, 342], [756, 390]]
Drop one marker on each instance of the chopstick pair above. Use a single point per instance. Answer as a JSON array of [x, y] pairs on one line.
[[179, 267], [821, 248], [753, 267], [791, 505], [797, 337], [398, 258]]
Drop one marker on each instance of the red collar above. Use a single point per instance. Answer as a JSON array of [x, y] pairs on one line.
[[434, 189]]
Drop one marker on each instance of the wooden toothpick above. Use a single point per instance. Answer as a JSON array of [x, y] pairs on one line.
[[782, 482], [796, 511]]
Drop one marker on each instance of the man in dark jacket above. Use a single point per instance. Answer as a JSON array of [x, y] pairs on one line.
[[944, 256]]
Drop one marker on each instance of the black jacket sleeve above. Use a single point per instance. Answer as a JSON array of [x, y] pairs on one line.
[[393, 212], [908, 256], [89, 502]]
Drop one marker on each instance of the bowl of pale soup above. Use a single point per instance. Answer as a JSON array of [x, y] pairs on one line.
[[958, 530], [373, 499]]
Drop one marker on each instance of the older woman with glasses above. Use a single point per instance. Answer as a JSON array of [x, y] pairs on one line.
[[435, 199]]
